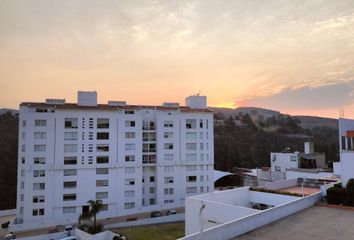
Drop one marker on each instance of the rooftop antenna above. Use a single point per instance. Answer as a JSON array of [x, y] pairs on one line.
[[341, 112], [198, 93]]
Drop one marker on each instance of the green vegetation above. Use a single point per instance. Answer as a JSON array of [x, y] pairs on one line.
[[8, 160], [341, 196], [349, 192], [168, 231]]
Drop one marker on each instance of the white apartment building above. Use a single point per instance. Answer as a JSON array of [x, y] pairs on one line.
[[134, 158], [346, 150]]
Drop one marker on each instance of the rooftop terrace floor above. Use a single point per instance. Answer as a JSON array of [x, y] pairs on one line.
[[315, 223], [307, 190]]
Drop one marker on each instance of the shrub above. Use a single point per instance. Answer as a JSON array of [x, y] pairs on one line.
[[349, 190], [93, 230], [335, 195]]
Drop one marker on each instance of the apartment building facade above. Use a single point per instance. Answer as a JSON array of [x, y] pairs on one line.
[[134, 158]]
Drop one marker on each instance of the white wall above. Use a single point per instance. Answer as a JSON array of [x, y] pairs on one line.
[[240, 226], [347, 162], [337, 168], [238, 196], [7, 212], [284, 161], [281, 184], [270, 198], [298, 174]]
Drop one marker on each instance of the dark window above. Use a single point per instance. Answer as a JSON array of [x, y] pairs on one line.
[[102, 135], [102, 159], [70, 160]]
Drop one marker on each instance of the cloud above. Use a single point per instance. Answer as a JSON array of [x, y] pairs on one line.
[[308, 97]]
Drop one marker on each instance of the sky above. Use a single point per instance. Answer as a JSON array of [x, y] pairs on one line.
[[294, 56]]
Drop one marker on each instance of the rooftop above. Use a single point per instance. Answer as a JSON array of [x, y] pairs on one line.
[[315, 223], [106, 107]]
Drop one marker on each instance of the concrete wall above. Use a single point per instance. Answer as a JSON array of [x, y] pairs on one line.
[[337, 168], [238, 227], [281, 184], [238, 196], [7, 212], [270, 198], [296, 174], [59, 235], [347, 161], [284, 161], [158, 220]]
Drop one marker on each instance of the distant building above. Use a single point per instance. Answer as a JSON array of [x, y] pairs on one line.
[[134, 158], [310, 159]]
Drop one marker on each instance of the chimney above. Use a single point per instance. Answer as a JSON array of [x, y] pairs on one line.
[[86, 98], [309, 147]]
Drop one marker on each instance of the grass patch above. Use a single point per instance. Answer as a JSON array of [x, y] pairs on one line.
[[166, 231]]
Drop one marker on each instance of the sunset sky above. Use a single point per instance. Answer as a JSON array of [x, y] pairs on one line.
[[294, 56]]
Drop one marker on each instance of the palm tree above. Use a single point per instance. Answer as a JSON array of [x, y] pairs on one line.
[[95, 207]]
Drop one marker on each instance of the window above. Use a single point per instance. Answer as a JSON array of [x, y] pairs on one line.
[[69, 184], [343, 142], [70, 160], [70, 172], [129, 112], [130, 158], [104, 207], [201, 123], [39, 135], [293, 158], [22, 185], [168, 124], [130, 181], [168, 134], [168, 201], [168, 168], [23, 136], [38, 212], [130, 146], [38, 186], [69, 197], [40, 123], [191, 157], [149, 136], [70, 147], [168, 146], [22, 197], [23, 123], [130, 135], [201, 146], [100, 171], [191, 135], [129, 170], [102, 135], [70, 136], [102, 183], [39, 160], [129, 123], [102, 147], [191, 190], [201, 168], [67, 210], [71, 122], [168, 180], [201, 135], [201, 189], [152, 190], [191, 178], [191, 146], [38, 173], [129, 194], [101, 195], [23, 160], [38, 199], [102, 159], [201, 178], [191, 168], [129, 205], [201, 157], [152, 201], [277, 168], [168, 157], [39, 148], [23, 148], [152, 179], [191, 123], [168, 191], [102, 123]]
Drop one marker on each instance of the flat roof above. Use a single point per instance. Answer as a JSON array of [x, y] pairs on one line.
[[74, 106], [315, 223], [300, 190]]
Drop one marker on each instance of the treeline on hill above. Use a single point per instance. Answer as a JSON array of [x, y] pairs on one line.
[[249, 143], [8, 160]]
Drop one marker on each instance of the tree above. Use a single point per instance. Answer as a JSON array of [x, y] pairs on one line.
[[349, 190], [95, 207]]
